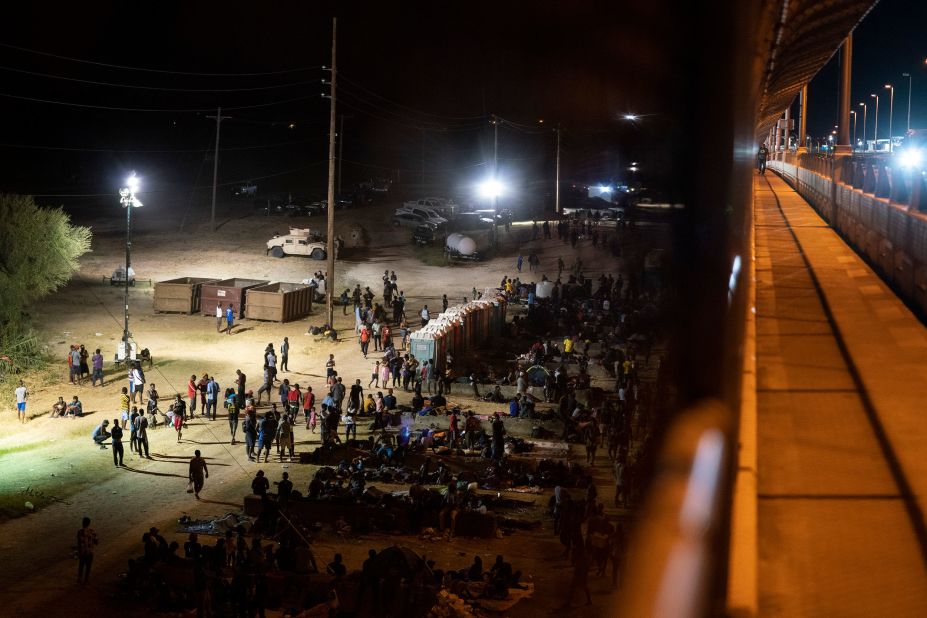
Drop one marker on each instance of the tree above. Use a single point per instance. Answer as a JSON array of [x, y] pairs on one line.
[[39, 251]]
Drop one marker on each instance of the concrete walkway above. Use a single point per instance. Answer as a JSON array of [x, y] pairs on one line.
[[841, 385]]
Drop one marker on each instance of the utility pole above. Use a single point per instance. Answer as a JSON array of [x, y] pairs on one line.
[[557, 181], [215, 166], [330, 248], [908, 75]]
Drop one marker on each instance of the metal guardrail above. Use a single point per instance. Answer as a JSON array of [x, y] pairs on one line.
[[877, 206]]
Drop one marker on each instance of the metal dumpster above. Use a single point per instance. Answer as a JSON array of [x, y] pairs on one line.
[[180, 295], [279, 302], [226, 292]]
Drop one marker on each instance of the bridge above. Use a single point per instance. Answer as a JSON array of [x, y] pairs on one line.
[[793, 483]]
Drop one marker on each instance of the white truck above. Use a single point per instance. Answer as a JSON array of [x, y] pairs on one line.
[[300, 241]]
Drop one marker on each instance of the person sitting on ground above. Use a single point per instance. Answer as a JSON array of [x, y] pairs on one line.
[[75, 408], [101, 433], [389, 400], [58, 408], [337, 568]]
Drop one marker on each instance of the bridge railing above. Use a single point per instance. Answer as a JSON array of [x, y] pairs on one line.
[[877, 205]]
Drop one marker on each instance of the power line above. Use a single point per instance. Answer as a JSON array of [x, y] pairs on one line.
[[152, 110], [160, 88], [152, 151], [417, 111], [149, 70]]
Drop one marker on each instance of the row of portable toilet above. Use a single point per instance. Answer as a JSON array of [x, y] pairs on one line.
[[255, 299], [459, 329]]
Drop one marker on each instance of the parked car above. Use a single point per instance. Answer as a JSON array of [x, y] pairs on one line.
[[426, 214], [408, 219], [426, 235]]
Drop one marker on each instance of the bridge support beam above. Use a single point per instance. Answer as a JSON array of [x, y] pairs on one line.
[[844, 147], [803, 123]]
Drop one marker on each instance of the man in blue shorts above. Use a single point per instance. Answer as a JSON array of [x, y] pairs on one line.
[[21, 394]]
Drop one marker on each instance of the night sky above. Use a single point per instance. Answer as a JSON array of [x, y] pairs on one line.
[[431, 76], [889, 41], [419, 84]]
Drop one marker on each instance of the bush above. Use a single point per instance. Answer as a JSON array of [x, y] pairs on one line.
[[39, 251]]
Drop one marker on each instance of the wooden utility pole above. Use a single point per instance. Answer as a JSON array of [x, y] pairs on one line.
[[215, 167], [330, 277]]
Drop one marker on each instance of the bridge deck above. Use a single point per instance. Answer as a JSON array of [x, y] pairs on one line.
[[842, 427]]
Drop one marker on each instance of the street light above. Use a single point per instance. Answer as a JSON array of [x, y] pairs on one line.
[[129, 201], [490, 189], [853, 113], [891, 110], [908, 75], [875, 137], [631, 117], [865, 109]]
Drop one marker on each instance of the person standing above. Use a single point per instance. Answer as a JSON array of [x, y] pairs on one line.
[[240, 382], [97, 374], [232, 407], [498, 430], [197, 471], [518, 262], [364, 339], [285, 354], [124, 404], [201, 385], [424, 315], [285, 440], [75, 366], [191, 395], [229, 319], [444, 302], [138, 383], [86, 542], [84, 356], [21, 395], [118, 450], [212, 397], [218, 317], [141, 435]]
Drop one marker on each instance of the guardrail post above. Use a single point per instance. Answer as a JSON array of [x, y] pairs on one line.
[[883, 188], [899, 187]]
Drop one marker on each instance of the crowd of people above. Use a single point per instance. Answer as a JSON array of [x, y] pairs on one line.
[[581, 321]]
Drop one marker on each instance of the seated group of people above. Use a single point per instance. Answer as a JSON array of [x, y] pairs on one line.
[[61, 408]]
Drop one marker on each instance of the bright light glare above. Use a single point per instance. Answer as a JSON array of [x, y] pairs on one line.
[[912, 158], [631, 116], [604, 189], [132, 182], [490, 188]]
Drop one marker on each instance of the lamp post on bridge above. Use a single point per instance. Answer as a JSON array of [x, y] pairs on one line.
[[891, 110], [875, 137], [853, 113], [908, 75], [865, 109]]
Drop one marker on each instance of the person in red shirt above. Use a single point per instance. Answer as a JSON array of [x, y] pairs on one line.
[[453, 430], [191, 394], [309, 408], [292, 401], [364, 340]]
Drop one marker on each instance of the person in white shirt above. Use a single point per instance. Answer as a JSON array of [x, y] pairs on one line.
[[218, 317], [138, 384], [21, 394], [424, 315]]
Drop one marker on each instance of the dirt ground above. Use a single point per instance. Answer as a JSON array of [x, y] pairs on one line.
[[53, 464]]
